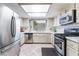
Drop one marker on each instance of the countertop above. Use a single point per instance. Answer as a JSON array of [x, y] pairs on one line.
[[40, 32], [75, 39]]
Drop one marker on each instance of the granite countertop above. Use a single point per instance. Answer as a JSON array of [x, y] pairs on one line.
[[75, 39]]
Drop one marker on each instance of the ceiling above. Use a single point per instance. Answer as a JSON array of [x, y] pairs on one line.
[[36, 10], [43, 10], [56, 8], [16, 8]]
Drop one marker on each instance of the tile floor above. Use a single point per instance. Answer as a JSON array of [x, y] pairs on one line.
[[33, 49]]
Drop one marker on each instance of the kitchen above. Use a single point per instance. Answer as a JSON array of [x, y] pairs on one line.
[[43, 29]]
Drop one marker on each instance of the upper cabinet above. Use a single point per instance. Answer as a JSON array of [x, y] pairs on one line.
[[56, 21], [77, 7], [24, 23], [77, 18], [50, 23]]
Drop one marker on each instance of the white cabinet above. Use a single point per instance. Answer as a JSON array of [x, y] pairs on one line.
[[56, 21], [22, 38], [77, 17], [71, 51], [72, 48], [52, 39], [77, 14], [42, 38]]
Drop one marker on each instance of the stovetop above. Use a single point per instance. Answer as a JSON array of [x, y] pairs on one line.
[[62, 36]]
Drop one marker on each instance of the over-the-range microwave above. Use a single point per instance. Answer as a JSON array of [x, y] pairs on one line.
[[68, 18]]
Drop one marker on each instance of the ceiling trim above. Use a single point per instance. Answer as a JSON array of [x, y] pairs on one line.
[[34, 3]]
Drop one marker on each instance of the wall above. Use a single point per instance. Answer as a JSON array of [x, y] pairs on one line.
[[66, 8]]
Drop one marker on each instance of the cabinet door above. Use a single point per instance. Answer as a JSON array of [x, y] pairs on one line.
[[22, 39], [42, 38], [72, 44], [71, 52], [77, 16]]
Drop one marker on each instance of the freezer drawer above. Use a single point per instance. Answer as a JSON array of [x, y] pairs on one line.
[[11, 50], [0, 52]]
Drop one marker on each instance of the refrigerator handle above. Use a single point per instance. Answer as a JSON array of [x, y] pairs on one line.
[[13, 26]]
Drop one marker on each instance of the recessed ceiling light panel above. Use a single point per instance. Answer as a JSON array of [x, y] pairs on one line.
[[37, 14], [35, 8]]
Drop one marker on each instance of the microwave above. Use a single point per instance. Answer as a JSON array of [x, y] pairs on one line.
[[68, 18]]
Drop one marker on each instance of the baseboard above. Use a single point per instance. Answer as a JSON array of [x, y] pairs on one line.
[[37, 43], [22, 44]]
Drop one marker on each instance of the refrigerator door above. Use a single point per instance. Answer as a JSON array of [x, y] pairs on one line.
[[6, 37], [17, 29], [11, 50]]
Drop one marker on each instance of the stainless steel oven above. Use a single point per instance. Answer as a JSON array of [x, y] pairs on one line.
[[60, 44]]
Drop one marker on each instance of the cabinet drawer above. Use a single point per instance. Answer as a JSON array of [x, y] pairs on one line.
[[72, 44]]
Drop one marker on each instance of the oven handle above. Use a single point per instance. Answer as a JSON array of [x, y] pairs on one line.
[[59, 38], [62, 44]]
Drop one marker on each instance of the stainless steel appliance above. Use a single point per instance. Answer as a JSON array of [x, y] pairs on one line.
[[9, 32], [60, 44], [68, 18]]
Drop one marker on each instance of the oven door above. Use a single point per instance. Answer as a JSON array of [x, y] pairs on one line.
[[59, 45]]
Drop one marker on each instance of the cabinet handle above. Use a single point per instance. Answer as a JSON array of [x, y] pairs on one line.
[[78, 54]]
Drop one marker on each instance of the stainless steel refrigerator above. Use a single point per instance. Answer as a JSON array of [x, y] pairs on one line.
[[9, 32]]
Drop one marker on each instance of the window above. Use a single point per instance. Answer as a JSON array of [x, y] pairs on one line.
[[38, 25]]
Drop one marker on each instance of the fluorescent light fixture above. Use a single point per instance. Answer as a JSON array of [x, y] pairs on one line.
[[37, 14], [36, 8]]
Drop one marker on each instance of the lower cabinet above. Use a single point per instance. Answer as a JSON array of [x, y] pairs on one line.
[[42, 38], [71, 52], [22, 38], [72, 48]]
